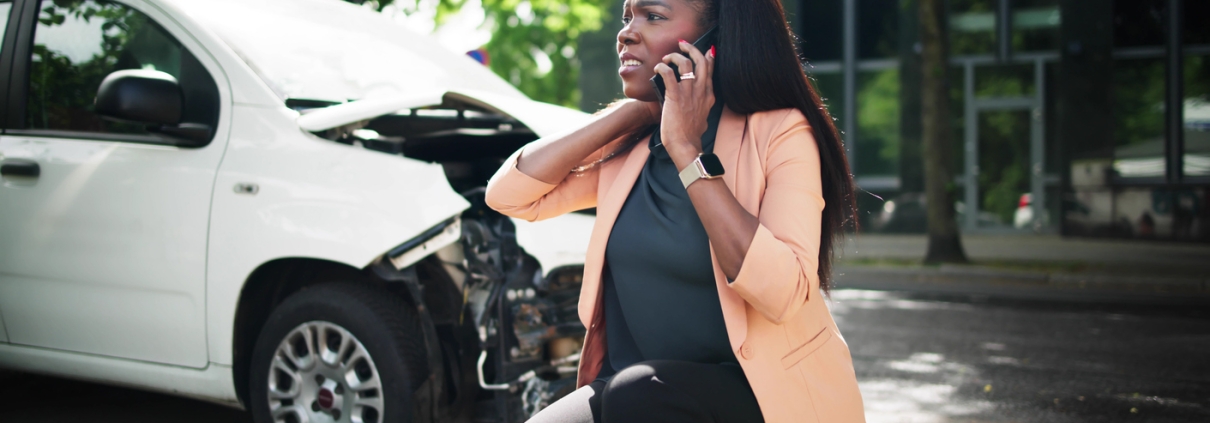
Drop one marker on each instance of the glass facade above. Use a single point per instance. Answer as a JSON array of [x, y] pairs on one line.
[[878, 122], [1197, 117], [1059, 125], [972, 27]]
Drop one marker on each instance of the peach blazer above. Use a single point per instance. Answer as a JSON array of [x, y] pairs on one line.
[[780, 328]]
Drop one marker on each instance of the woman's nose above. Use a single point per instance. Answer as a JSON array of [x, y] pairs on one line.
[[628, 35]]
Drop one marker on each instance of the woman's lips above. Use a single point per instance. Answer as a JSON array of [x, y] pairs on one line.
[[629, 66]]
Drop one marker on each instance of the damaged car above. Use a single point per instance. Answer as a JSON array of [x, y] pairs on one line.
[[276, 205]]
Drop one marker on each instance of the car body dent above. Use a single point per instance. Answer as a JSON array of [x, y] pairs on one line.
[[343, 114], [556, 242], [542, 118], [316, 199]]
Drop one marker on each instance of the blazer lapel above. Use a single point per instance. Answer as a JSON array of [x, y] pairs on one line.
[[616, 189]]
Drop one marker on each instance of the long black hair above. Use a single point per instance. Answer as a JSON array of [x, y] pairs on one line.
[[758, 68]]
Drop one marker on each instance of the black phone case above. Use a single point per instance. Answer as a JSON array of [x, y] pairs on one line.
[[703, 45]]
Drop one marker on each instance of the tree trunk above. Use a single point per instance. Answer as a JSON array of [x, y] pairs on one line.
[[945, 246]]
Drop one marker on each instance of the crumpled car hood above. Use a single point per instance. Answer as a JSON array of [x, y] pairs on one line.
[[542, 118], [555, 243]]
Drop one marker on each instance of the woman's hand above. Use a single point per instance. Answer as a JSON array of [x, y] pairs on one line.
[[686, 103]]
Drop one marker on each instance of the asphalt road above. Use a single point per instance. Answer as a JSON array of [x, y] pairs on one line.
[[931, 359], [918, 358]]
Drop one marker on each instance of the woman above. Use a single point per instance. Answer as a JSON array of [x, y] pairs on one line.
[[702, 294]]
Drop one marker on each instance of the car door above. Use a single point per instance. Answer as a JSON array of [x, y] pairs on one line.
[[103, 234]]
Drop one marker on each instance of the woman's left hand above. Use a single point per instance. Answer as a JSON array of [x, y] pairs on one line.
[[686, 103]]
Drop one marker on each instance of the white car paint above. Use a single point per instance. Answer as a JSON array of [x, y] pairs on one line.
[[142, 251], [105, 252], [544, 119], [330, 117], [557, 242]]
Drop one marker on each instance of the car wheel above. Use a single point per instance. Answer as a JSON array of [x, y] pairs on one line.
[[338, 352]]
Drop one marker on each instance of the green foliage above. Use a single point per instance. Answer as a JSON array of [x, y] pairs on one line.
[[878, 123], [1003, 160], [61, 92], [526, 33]]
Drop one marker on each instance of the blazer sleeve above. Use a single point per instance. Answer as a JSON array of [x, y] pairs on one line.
[[779, 273], [515, 194]]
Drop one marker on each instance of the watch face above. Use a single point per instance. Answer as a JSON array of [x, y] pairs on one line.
[[713, 166]]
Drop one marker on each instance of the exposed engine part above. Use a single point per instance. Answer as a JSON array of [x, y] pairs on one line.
[[529, 334], [560, 348]]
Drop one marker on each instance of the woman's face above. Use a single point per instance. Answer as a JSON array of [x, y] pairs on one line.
[[653, 29]]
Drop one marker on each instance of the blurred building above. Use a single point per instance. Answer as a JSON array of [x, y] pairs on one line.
[[1086, 118], [1072, 116]]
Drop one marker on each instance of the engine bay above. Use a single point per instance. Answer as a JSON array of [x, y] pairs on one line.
[[528, 331], [469, 142]]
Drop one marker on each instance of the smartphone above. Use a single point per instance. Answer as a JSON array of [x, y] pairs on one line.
[[703, 45]]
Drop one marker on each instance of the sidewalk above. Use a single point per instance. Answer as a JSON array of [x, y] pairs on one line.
[[1033, 266]]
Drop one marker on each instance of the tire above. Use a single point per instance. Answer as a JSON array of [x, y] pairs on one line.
[[369, 366]]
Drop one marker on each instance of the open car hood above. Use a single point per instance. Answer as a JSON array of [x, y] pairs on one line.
[[541, 118]]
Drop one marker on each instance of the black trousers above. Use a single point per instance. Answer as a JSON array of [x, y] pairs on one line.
[[661, 391]]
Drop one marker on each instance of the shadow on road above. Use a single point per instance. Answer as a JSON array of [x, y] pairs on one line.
[[37, 399]]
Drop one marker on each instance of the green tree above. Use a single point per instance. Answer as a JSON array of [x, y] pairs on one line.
[[534, 42]]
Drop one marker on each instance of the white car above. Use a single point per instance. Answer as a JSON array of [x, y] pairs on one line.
[[274, 204]]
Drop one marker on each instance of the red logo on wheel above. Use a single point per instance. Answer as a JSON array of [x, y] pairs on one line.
[[325, 399]]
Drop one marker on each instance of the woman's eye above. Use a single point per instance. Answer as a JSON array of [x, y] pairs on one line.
[[654, 17], [626, 20]]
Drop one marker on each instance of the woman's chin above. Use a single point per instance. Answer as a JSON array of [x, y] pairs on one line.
[[640, 94]]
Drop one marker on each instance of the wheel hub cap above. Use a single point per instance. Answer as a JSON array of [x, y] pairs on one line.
[[321, 373], [327, 396]]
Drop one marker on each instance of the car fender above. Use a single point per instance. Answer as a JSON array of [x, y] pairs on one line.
[[282, 193]]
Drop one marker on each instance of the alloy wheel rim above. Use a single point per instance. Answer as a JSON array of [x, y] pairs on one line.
[[321, 373]]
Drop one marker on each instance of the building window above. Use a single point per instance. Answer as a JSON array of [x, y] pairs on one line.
[[972, 27], [1138, 88], [878, 122], [1197, 116], [878, 29], [822, 29], [1035, 25]]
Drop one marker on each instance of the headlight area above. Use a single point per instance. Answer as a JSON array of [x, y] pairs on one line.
[[528, 330]]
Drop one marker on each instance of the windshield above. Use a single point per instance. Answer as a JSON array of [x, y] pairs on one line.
[[334, 51]]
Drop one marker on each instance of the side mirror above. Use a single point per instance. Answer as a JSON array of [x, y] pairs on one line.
[[140, 96], [151, 98]]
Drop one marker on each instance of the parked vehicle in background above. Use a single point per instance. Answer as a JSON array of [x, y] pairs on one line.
[[276, 204]]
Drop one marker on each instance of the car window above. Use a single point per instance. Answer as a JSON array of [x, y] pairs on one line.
[[77, 43]]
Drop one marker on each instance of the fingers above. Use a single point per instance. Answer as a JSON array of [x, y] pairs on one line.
[[693, 53], [671, 88], [683, 64], [707, 68]]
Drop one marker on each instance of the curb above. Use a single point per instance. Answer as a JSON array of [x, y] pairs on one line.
[[987, 281]]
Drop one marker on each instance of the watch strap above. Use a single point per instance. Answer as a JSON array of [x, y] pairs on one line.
[[693, 172]]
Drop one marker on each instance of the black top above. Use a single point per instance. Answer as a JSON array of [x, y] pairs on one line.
[[661, 302]]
